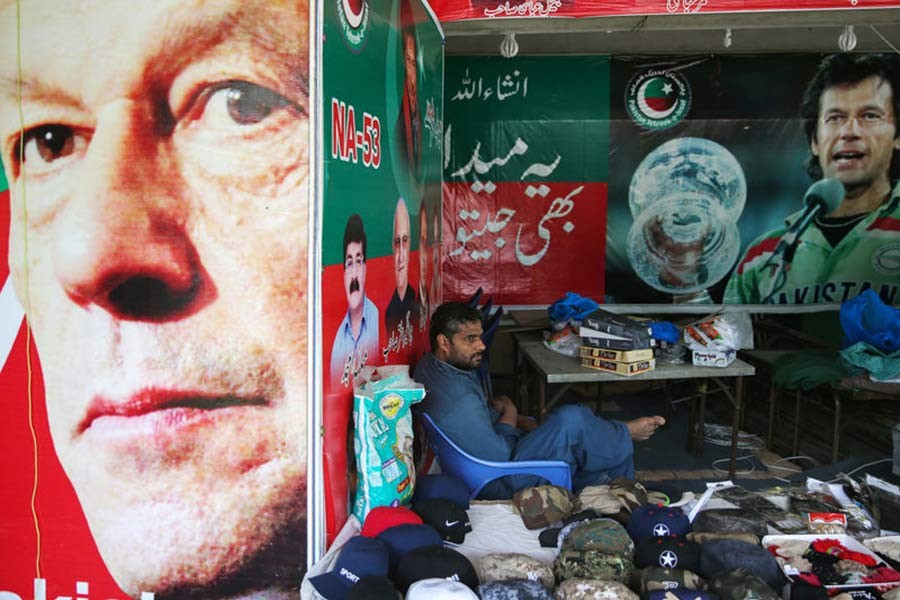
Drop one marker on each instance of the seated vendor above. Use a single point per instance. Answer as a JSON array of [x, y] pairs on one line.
[[597, 449]]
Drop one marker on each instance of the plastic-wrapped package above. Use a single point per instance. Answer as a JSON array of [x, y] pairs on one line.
[[728, 331], [383, 437]]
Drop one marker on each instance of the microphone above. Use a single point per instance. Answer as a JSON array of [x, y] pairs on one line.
[[823, 196]]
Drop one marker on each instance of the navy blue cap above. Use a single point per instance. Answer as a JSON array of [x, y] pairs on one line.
[[441, 485], [650, 520], [374, 587], [435, 561], [717, 556], [360, 557], [401, 539]]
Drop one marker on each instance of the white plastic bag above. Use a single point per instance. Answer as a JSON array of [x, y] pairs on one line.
[[728, 331]]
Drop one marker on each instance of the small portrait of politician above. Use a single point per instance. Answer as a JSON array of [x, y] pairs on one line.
[[408, 130], [852, 240], [161, 256], [356, 341], [403, 306]]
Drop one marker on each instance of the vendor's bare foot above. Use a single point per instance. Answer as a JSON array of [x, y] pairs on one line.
[[642, 428]]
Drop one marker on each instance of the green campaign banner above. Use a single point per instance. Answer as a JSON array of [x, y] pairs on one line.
[[738, 179], [525, 177], [381, 84]]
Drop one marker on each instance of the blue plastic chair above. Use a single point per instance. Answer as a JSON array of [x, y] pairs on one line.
[[476, 473]]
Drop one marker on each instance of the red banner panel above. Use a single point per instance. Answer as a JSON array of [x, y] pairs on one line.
[[518, 239]]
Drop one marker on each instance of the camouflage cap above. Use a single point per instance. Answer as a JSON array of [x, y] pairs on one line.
[[512, 589], [599, 498], [740, 584], [628, 492], [592, 564], [657, 578], [502, 567], [593, 589], [542, 505], [679, 594], [604, 535], [731, 520]]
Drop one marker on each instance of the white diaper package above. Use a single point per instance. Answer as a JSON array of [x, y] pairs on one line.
[[383, 437]]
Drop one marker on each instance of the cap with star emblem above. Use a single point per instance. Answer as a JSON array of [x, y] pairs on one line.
[[673, 552], [652, 520]]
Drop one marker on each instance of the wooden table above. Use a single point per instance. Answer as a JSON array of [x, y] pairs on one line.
[[545, 367]]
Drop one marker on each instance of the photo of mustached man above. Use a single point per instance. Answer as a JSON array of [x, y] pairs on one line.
[[356, 340]]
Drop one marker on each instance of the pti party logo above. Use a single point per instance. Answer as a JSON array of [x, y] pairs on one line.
[[657, 99], [354, 20]]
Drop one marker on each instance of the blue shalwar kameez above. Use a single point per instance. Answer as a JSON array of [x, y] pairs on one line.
[[597, 449]]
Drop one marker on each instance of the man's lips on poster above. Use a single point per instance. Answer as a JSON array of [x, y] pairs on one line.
[[154, 411], [848, 156]]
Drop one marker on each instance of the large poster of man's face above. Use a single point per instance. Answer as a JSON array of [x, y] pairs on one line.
[[158, 166]]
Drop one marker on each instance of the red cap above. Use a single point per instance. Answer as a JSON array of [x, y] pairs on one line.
[[383, 517]]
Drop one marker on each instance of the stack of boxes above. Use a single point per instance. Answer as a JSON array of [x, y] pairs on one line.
[[616, 344]]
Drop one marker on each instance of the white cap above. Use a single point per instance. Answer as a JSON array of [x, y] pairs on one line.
[[435, 587]]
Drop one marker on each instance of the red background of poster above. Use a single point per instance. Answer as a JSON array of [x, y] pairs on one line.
[[65, 544], [338, 400]]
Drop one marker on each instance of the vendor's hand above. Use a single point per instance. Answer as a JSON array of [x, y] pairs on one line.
[[526, 423], [509, 414]]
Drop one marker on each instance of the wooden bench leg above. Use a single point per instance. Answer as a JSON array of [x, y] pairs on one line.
[[796, 443], [773, 397], [837, 425]]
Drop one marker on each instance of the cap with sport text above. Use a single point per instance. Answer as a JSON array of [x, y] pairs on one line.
[[360, 557]]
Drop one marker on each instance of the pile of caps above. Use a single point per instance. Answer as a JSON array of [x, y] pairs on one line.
[[403, 550], [615, 541]]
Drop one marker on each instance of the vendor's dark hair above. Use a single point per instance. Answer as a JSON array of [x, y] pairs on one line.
[[354, 232], [840, 69], [449, 318]]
